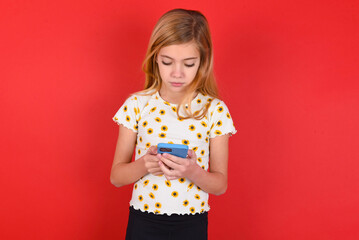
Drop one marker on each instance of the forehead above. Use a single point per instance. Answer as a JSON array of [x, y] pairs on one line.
[[180, 51]]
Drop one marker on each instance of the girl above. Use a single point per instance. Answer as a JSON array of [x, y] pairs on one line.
[[179, 105]]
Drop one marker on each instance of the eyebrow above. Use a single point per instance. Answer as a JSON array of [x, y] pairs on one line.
[[183, 59]]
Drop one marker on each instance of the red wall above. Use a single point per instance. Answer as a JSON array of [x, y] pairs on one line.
[[288, 70]]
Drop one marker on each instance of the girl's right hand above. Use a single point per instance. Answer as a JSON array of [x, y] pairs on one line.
[[151, 161]]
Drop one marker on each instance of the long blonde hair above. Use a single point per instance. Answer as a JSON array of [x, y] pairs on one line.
[[179, 26]]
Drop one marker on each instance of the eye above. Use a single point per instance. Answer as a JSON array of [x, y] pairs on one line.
[[166, 63], [189, 65]]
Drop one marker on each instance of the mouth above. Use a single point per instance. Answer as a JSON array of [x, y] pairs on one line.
[[176, 84]]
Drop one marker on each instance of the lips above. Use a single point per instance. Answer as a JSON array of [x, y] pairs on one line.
[[176, 84]]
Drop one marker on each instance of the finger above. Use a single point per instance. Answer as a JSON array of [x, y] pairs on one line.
[[156, 171], [166, 171], [152, 150], [173, 158], [171, 177], [169, 163], [191, 153]]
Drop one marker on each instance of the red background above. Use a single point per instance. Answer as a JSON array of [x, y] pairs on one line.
[[288, 70]]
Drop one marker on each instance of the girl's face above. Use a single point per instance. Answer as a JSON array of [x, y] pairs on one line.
[[178, 65]]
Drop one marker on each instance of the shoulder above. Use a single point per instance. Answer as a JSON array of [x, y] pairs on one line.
[[217, 104], [140, 99]]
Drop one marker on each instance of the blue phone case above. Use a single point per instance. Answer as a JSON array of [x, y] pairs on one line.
[[178, 150]]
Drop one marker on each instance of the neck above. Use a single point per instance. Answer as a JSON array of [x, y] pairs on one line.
[[173, 97]]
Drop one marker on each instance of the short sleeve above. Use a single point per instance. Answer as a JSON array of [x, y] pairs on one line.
[[128, 114], [220, 120]]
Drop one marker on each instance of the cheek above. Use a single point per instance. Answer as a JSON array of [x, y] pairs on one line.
[[192, 73], [163, 72]]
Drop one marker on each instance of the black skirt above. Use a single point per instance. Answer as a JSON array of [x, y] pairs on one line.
[[148, 226]]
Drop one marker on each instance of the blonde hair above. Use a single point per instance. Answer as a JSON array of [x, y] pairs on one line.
[[179, 26]]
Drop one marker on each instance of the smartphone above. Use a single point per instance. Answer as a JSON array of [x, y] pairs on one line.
[[179, 150]]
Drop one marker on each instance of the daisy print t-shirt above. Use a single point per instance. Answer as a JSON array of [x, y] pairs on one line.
[[156, 121]]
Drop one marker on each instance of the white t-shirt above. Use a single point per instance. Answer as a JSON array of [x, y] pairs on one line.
[[156, 121]]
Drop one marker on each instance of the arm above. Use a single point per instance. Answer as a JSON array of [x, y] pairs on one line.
[[214, 181], [124, 171]]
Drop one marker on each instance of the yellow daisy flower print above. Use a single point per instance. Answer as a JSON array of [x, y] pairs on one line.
[[197, 197], [174, 109], [219, 123], [168, 183], [135, 109], [182, 180], [139, 151], [192, 209], [162, 135], [136, 186], [208, 132], [150, 131], [198, 188], [145, 206], [199, 101], [202, 204], [140, 198], [199, 136], [158, 205], [167, 103], [199, 160], [153, 109], [146, 182], [202, 210], [220, 109], [157, 212], [148, 145], [203, 152], [192, 127], [190, 186], [128, 118], [144, 124], [203, 167], [228, 116], [140, 139], [195, 148], [174, 194], [116, 118], [125, 109], [206, 139], [162, 112], [217, 132], [185, 203], [204, 124], [185, 142], [151, 195], [209, 99], [157, 119], [155, 187], [164, 128]]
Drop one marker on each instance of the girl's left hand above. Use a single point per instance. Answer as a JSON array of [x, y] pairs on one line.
[[175, 167]]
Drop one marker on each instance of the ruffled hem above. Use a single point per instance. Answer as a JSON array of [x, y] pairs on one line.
[[120, 123], [169, 214], [232, 132]]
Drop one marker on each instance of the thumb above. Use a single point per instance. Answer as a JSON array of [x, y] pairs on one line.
[[190, 153], [152, 150]]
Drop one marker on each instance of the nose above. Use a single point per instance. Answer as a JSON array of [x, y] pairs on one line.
[[177, 71]]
